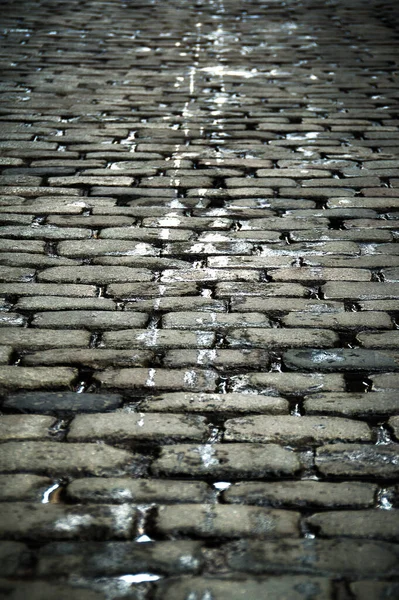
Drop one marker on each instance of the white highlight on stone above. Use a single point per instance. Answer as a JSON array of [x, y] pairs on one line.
[[149, 383]]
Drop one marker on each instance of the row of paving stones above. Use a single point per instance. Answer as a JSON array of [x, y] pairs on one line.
[[199, 283]]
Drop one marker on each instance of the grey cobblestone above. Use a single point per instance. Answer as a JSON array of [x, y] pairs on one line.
[[199, 300]]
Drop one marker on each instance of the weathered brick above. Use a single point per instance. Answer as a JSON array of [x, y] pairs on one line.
[[158, 379], [215, 403], [121, 428], [26, 521], [295, 430], [346, 460], [281, 338], [226, 521], [56, 459], [370, 524], [304, 493], [233, 461]]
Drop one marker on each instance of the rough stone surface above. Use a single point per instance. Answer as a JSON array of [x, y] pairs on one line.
[[302, 494], [297, 588], [231, 461], [199, 300]]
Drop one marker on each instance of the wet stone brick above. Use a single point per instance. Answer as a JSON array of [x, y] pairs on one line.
[[295, 430], [25, 427], [23, 486], [345, 359], [26, 521], [231, 461], [281, 338], [59, 402], [159, 379], [157, 338], [118, 558], [215, 403], [210, 320], [226, 521], [96, 358], [319, 557], [293, 587], [296, 384], [305, 493], [340, 320], [85, 319], [123, 427], [145, 491], [56, 459], [28, 339], [218, 359], [20, 378], [370, 524], [354, 460], [94, 274], [375, 404]]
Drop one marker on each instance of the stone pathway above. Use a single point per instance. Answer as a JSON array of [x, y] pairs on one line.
[[199, 289]]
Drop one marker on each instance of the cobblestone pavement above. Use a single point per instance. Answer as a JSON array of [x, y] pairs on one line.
[[199, 282]]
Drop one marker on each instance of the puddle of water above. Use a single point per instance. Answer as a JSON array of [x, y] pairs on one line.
[[222, 485], [139, 578], [48, 492]]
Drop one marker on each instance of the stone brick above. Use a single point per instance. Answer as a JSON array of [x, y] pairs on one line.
[[231, 461], [120, 428], [370, 524], [35, 339], [57, 459], [360, 291], [215, 403], [294, 587], [210, 320], [141, 491], [310, 274], [96, 358], [281, 338], [375, 404], [159, 379], [296, 384], [218, 359], [40, 303], [5, 354], [23, 487], [301, 494], [394, 424], [118, 558], [226, 521], [338, 359], [295, 430], [29, 378], [47, 289], [94, 274], [352, 460], [386, 339], [85, 319], [26, 521], [56, 402], [157, 338], [283, 305], [320, 557], [340, 320], [101, 247], [25, 427]]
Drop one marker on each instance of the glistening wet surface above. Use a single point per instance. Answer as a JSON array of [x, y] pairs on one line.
[[199, 300]]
